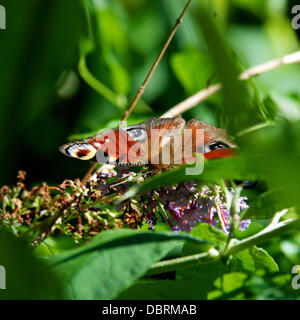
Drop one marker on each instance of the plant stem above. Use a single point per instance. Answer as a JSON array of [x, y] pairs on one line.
[[156, 63], [234, 210], [181, 263], [213, 256], [266, 234], [118, 101]]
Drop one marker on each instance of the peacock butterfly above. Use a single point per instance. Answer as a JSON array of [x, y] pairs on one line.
[[158, 142]]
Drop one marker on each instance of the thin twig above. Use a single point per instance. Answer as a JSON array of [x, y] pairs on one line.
[[90, 171], [156, 63], [207, 92], [270, 65], [146, 81]]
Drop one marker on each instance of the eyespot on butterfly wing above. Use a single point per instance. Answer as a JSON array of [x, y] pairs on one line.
[[128, 145]]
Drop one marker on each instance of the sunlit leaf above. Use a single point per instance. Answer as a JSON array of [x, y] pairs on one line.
[[112, 261]]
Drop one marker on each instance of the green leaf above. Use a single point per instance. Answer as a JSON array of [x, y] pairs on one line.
[[112, 34], [236, 94], [205, 275], [117, 100], [288, 106], [187, 289], [272, 287], [147, 26], [119, 78], [276, 152], [209, 233], [112, 261], [237, 168], [205, 232], [229, 286], [267, 204], [26, 276], [54, 244], [251, 259], [193, 69], [254, 259]]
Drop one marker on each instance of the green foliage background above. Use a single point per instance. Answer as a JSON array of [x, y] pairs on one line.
[[70, 68]]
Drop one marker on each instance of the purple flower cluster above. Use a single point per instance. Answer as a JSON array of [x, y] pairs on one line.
[[187, 206], [243, 205], [181, 206]]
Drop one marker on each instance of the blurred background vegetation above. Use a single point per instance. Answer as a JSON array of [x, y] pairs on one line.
[[70, 68], [45, 100]]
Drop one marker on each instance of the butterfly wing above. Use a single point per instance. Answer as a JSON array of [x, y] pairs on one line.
[[105, 143], [150, 141], [215, 143], [163, 135], [150, 138], [128, 146]]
